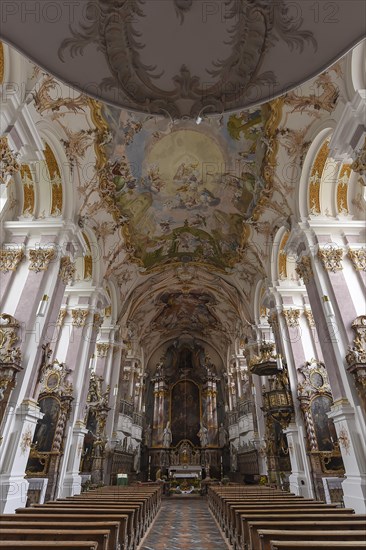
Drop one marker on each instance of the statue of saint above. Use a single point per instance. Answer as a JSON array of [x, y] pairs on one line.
[[234, 459], [223, 435], [167, 435], [203, 435]]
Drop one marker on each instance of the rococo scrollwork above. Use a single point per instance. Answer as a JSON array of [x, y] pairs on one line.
[[10, 259]]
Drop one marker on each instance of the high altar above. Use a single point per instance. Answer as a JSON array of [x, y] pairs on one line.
[[184, 438]]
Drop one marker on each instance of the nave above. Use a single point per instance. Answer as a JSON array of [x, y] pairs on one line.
[[143, 517]]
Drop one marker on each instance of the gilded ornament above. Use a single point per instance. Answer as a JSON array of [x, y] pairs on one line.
[[40, 258], [342, 189], [358, 258], [315, 178], [79, 317], [304, 269], [61, 317], [9, 165], [344, 439], [97, 320], [331, 258], [10, 354], [310, 317], [10, 259], [26, 439], [292, 317], [28, 190], [102, 349], [359, 164], [67, 270]]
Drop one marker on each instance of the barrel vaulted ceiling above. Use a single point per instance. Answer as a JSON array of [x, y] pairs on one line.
[[184, 215]]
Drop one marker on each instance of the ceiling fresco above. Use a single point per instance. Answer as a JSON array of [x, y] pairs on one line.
[[185, 192], [183, 215]]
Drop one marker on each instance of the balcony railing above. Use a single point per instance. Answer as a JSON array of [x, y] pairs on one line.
[[245, 407], [126, 408], [232, 417], [137, 419]]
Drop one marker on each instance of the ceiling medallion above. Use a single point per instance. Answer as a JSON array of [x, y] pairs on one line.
[[223, 79]]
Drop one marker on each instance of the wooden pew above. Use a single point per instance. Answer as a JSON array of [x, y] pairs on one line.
[[47, 545], [266, 536], [255, 526], [101, 537], [293, 545], [82, 514], [68, 519], [340, 514], [235, 530], [28, 521]]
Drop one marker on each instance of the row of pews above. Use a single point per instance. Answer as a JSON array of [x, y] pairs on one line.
[[263, 518], [109, 518]]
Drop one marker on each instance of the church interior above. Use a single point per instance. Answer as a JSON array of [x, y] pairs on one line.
[[182, 275]]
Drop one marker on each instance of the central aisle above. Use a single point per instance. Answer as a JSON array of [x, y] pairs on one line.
[[184, 524]]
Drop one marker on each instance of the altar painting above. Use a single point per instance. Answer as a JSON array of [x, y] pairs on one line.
[[185, 412]]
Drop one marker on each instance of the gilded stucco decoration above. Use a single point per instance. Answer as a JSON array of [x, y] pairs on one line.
[[358, 258], [309, 317], [26, 439], [315, 178], [79, 317], [102, 349], [67, 270], [331, 258], [359, 164], [28, 190], [342, 189], [304, 269], [10, 259], [282, 258], [40, 258], [55, 181], [61, 317], [292, 317], [9, 165]]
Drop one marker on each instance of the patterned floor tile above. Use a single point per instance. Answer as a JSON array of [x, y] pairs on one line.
[[184, 525]]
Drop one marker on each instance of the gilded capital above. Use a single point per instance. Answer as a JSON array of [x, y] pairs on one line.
[[102, 349], [304, 269], [67, 270], [358, 259], [61, 317], [79, 317], [10, 259], [331, 258], [40, 258], [292, 317]]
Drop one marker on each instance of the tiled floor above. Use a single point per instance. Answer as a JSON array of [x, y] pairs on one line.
[[184, 524]]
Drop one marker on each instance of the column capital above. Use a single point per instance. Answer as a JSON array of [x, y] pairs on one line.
[[358, 258], [331, 258], [40, 258], [304, 269], [10, 258]]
